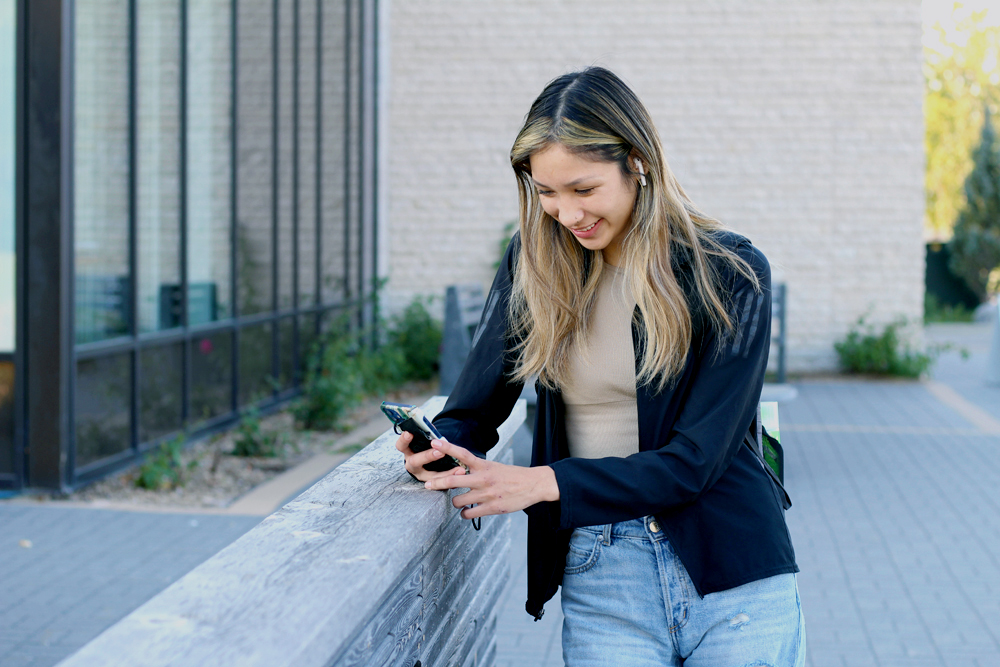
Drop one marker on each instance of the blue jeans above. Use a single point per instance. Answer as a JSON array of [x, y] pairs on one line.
[[628, 600]]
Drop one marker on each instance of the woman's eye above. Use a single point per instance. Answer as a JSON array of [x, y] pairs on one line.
[[585, 191], [544, 193]]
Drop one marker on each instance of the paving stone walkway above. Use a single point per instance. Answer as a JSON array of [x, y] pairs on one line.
[[896, 523], [86, 569]]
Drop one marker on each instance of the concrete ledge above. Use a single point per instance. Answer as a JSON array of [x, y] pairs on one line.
[[366, 567]]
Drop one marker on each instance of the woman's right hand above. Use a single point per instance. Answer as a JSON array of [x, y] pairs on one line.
[[415, 461]]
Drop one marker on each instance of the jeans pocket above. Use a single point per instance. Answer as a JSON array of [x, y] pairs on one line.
[[584, 550]]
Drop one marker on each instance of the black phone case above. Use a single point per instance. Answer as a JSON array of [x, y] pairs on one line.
[[421, 443]]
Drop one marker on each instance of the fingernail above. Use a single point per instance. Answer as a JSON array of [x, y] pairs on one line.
[[438, 454]]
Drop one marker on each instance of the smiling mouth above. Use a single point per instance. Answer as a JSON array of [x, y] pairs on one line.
[[586, 229]]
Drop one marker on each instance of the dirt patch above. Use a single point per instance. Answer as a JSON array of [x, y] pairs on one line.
[[214, 478]]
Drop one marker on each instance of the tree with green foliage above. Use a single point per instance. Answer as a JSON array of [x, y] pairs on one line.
[[962, 76], [975, 246]]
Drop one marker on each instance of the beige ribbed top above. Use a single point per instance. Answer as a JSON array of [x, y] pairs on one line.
[[601, 415]]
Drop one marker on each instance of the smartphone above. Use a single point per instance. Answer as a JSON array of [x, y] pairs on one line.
[[411, 419]]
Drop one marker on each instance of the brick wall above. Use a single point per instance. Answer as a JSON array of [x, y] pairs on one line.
[[799, 124]]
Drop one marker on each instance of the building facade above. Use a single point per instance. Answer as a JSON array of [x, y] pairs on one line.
[[186, 198], [190, 188], [797, 123]]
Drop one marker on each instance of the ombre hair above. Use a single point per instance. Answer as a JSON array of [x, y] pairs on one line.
[[593, 114]]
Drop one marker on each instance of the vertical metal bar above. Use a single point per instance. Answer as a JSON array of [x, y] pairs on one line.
[[369, 102], [233, 197], [347, 151], [374, 158], [782, 296], [183, 221], [376, 73], [20, 280], [67, 216], [275, 178], [133, 211], [358, 145], [318, 295], [295, 191], [47, 218]]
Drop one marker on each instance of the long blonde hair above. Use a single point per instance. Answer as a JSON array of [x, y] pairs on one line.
[[594, 114]]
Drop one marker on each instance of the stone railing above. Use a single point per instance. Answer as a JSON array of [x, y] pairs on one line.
[[365, 568]]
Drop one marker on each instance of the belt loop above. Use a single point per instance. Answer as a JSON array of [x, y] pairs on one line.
[[607, 534]]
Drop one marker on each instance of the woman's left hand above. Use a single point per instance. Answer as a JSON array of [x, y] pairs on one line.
[[494, 488]]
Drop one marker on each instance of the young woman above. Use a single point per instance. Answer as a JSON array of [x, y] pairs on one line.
[[647, 325]]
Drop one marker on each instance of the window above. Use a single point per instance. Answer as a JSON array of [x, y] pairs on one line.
[[219, 201], [8, 311]]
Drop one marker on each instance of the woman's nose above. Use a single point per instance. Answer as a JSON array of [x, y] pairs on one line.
[[570, 215]]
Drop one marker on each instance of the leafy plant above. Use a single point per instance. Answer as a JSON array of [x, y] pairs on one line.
[[960, 51], [866, 351], [935, 311], [346, 364], [508, 232], [417, 337], [163, 468], [975, 247], [252, 440], [333, 383]]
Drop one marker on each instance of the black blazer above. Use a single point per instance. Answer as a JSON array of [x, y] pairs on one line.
[[721, 511]]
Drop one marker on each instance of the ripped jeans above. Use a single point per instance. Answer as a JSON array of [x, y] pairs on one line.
[[628, 600]]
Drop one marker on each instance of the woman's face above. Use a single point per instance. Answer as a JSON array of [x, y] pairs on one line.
[[593, 200]]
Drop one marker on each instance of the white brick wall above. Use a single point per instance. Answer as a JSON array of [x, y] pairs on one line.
[[799, 124]]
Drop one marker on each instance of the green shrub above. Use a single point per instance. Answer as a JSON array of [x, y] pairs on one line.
[[417, 337], [865, 351], [346, 364], [935, 311], [163, 468], [333, 383], [509, 228], [975, 246], [252, 440]]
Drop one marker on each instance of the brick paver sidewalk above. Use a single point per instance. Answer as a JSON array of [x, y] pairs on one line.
[[896, 524], [86, 569]]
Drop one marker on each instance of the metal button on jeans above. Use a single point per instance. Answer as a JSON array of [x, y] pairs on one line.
[[653, 526]]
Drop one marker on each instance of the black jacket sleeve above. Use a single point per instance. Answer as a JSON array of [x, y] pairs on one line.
[[722, 392], [483, 397]]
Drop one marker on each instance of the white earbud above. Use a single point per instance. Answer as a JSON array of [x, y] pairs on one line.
[[642, 174]]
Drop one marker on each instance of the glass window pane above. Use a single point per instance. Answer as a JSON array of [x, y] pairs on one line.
[[352, 121], [333, 123], [158, 183], [7, 254], [307, 340], [286, 351], [208, 160], [308, 151], [6, 416], [255, 157], [211, 376], [103, 401], [160, 377], [256, 371], [286, 136], [101, 169]]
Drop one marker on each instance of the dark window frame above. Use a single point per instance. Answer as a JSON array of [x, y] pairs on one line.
[[359, 194]]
